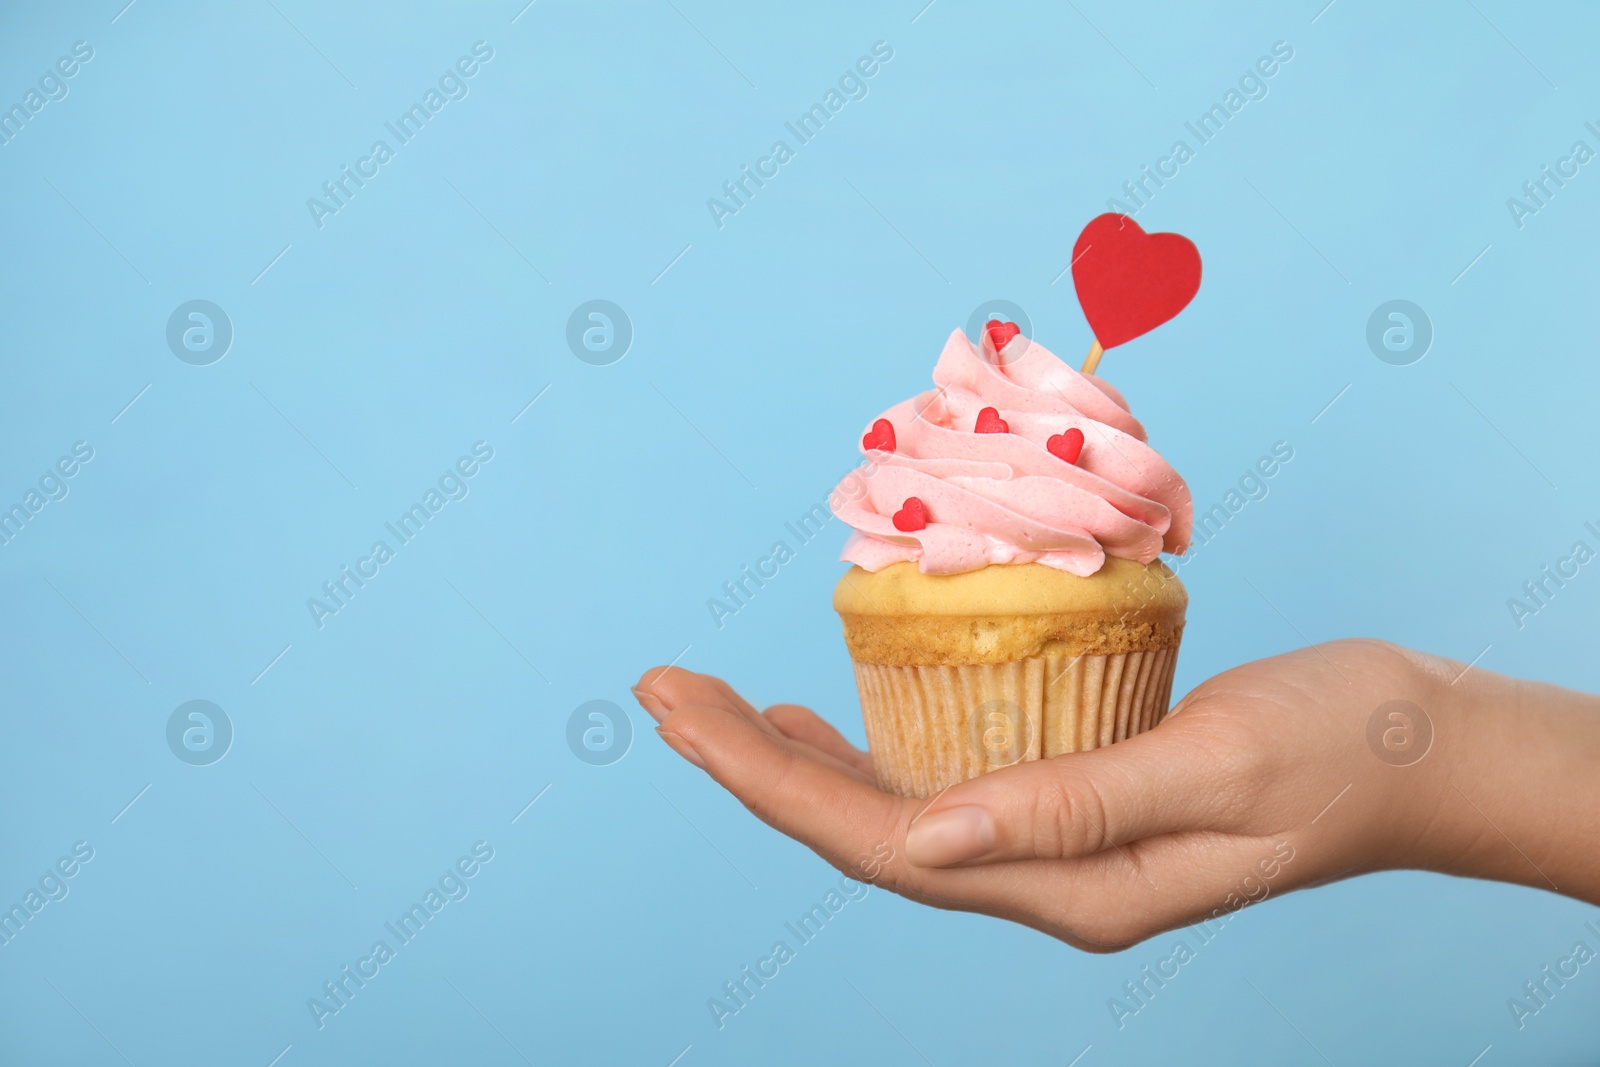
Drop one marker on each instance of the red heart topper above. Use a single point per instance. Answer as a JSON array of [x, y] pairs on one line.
[[1128, 281]]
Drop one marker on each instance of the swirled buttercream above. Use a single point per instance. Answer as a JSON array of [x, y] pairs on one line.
[[1007, 496]]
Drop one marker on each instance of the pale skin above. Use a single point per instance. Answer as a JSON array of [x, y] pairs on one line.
[[1194, 818]]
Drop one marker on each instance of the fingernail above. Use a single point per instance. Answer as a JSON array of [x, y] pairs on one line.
[[651, 703], [950, 836], [681, 747]]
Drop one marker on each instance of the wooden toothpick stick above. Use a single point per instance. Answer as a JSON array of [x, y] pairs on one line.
[[1092, 360]]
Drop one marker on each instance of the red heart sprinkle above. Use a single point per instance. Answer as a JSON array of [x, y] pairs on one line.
[[1066, 446], [881, 437], [989, 421], [912, 516], [1001, 333]]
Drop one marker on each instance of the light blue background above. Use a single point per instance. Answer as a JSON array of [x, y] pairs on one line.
[[426, 314]]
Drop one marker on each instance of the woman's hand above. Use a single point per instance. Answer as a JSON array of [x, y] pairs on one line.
[[1304, 768]]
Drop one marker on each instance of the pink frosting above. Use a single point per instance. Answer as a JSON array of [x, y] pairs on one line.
[[1003, 497]]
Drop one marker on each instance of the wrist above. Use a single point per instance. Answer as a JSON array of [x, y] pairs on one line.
[[1515, 783]]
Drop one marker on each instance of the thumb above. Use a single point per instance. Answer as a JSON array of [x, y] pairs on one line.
[[1160, 782]]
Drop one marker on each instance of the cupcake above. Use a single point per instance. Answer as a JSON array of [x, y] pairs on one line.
[[1007, 601]]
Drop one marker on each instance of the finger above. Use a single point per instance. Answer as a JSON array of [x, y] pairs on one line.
[[682, 688], [774, 777], [1102, 902], [803, 724], [803, 748], [819, 803], [1168, 780], [827, 807], [663, 689]]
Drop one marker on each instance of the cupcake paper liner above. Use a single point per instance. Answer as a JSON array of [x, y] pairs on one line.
[[931, 727]]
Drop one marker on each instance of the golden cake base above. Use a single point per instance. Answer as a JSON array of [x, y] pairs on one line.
[[963, 674]]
